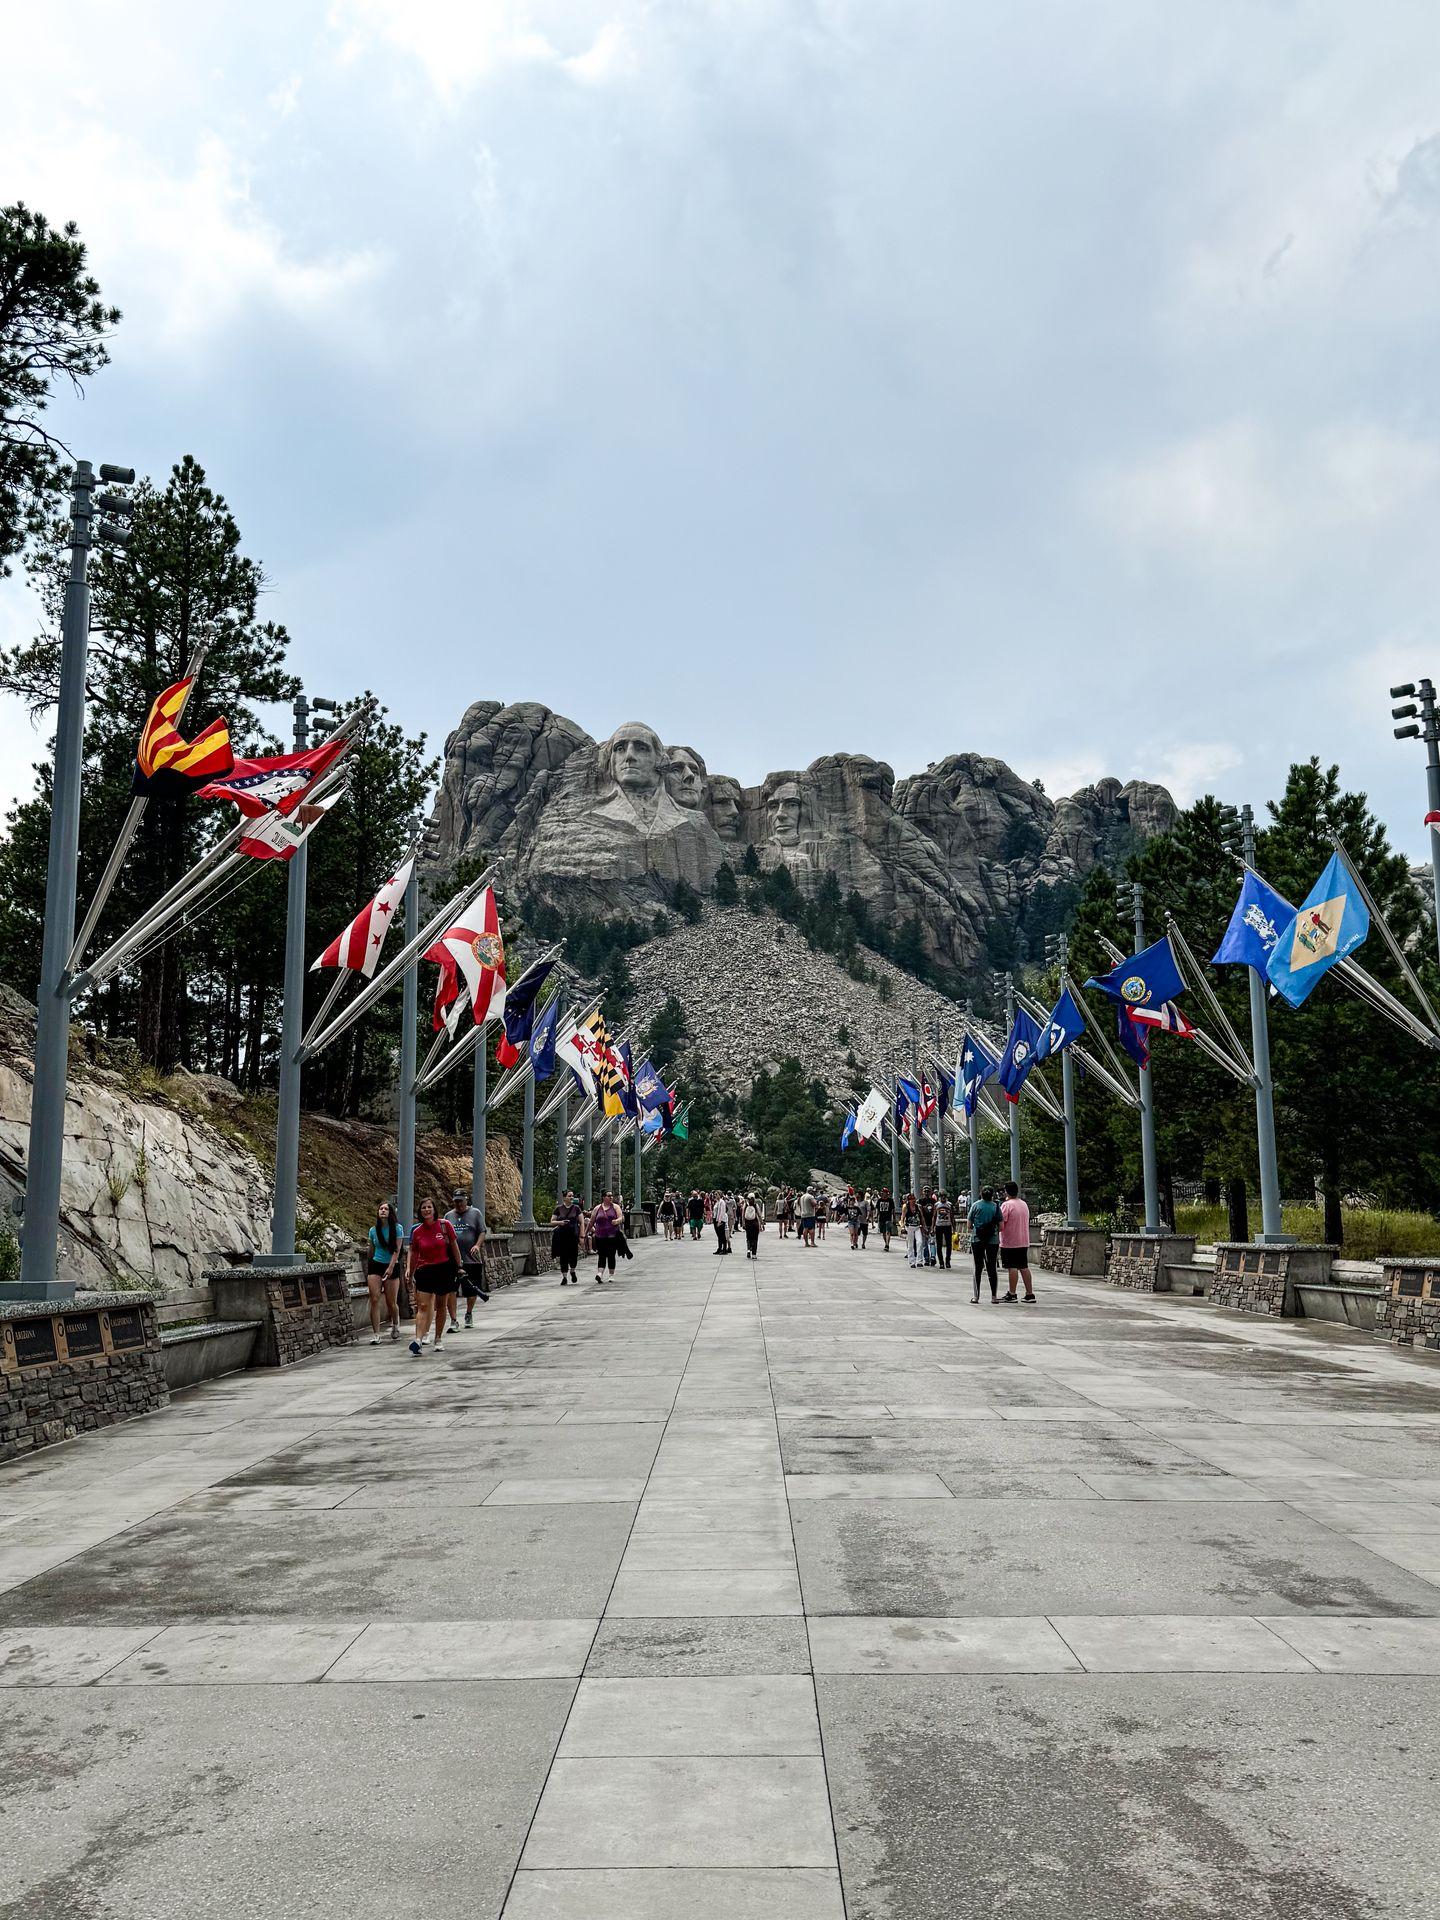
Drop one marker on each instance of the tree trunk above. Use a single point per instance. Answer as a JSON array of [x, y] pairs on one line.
[[1167, 1198], [1212, 1191], [1236, 1203], [1331, 1188]]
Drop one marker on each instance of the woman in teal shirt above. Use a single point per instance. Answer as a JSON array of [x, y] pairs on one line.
[[381, 1276]]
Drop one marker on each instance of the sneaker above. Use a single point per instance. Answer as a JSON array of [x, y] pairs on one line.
[[374, 1339], [416, 1349], [975, 1297], [454, 1327], [438, 1347], [395, 1335], [470, 1319], [1029, 1299], [1006, 1300]]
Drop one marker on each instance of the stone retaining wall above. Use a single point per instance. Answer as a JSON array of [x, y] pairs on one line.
[[1079, 1250], [1408, 1314], [65, 1372], [302, 1310], [1262, 1279], [1139, 1260]]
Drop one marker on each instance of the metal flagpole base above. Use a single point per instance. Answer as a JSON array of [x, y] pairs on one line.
[[46, 1290]]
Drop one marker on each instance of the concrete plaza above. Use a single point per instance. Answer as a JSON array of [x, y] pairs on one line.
[[804, 1590]]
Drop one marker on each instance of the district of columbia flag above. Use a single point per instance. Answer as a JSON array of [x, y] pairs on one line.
[[471, 958], [275, 836], [358, 948], [166, 764], [1332, 921]]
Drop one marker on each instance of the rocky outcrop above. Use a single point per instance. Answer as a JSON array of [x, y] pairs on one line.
[[754, 992], [611, 827]]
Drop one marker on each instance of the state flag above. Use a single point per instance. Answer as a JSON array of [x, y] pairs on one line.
[[275, 836], [519, 1013], [166, 765], [1254, 927], [579, 1050], [871, 1117], [1332, 921], [1146, 979], [847, 1132], [542, 1041], [1019, 1055], [471, 958], [1065, 1025], [358, 948], [1166, 1019], [277, 782], [975, 1065]]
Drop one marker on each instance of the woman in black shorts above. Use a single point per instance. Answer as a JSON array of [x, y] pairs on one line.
[[434, 1255], [382, 1272]]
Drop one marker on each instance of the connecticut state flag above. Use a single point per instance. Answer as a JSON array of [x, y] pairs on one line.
[[1331, 922], [1260, 914]]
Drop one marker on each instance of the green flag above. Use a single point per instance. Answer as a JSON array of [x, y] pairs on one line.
[[681, 1128]]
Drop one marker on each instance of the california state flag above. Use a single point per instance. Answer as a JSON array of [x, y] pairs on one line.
[[358, 948], [471, 957]]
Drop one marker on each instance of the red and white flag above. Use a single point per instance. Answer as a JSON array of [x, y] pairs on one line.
[[470, 956], [358, 948], [1164, 1019], [278, 782], [275, 836], [1432, 820]]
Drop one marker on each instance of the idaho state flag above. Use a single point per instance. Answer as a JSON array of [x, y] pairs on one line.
[[167, 766]]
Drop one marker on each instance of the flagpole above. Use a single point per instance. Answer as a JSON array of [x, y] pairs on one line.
[[1129, 894], [938, 1067], [894, 1132], [129, 826], [478, 1132], [409, 1015], [588, 1191], [1014, 1105], [1396, 950]]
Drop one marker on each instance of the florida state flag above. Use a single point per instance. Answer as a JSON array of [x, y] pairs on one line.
[[471, 958]]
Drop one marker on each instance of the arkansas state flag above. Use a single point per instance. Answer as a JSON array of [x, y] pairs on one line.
[[470, 956], [277, 783], [357, 949]]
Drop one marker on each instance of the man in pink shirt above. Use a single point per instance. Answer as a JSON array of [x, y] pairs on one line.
[[1015, 1241]]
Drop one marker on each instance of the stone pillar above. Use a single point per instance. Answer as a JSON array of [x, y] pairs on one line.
[[1075, 1250], [1140, 1260], [1408, 1314], [65, 1373], [1251, 1278]]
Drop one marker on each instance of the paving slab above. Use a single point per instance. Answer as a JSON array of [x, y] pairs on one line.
[[694, 1893]]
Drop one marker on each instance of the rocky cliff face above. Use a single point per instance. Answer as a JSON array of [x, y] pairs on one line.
[[609, 827]]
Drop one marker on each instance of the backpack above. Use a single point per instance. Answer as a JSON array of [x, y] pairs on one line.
[[751, 1215]]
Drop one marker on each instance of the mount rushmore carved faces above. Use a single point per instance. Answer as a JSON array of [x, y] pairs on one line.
[[685, 777]]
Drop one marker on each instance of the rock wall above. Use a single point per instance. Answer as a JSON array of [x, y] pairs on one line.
[[609, 827]]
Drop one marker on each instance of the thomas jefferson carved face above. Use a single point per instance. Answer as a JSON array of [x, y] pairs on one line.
[[632, 758], [724, 806], [783, 808], [685, 776]]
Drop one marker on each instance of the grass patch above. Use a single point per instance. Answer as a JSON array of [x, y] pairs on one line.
[[1370, 1232]]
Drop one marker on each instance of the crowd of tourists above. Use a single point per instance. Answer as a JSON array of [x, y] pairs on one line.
[[924, 1223], [440, 1264]]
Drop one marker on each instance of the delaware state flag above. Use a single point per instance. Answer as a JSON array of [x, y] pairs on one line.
[[1332, 921]]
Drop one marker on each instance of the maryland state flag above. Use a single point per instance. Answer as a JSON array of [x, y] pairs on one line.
[[607, 1072], [167, 767]]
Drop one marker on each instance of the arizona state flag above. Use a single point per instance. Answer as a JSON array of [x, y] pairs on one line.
[[167, 766]]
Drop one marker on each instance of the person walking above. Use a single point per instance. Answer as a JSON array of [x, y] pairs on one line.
[[910, 1227], [822, 1214], [565, 1223], [667, 1215], [752, 1223], [885, 1216], [944, 1229], [720, 1219], [433, 1260], [807, 1217], [381, 1263], [697, 1213], [927, 1228], [468, 1225], [1015, 1241], [605, 1232], [984, 1219]]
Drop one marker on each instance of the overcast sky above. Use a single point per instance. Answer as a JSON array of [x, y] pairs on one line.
[[1056, 381]]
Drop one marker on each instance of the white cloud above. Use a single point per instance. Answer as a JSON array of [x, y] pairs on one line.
[[1243, 494], [460, 43]]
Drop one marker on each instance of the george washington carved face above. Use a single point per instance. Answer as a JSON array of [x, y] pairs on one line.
[[632, 757], [685, 776]]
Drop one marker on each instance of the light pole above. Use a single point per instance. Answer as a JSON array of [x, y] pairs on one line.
[[1428, 730], [1241, 826], [939, 1066], [914, 1113], [589, 1191], [972, 1124], [1057, 952], [40, 1229], [292, 1021], [1005, 982], [1130, 899]]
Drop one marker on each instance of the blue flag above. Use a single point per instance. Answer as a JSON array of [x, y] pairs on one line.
[[1147, 979], [628, 1102], [518, 1016], [652, 1121], [1254, 927], [649, 1088], [945, 1091], [1135, 1040], [1019, 1055], [1066, 1023], [542, 1041], [975, 1066], [1331, 922], [847, 1132], [907, 1095]]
